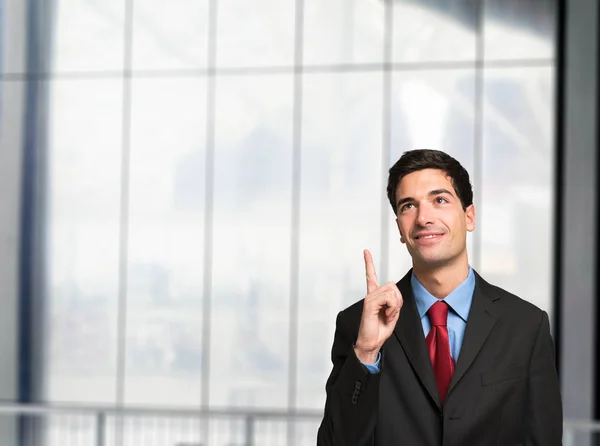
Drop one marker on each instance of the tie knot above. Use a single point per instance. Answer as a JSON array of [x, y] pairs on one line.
[[438, 314]]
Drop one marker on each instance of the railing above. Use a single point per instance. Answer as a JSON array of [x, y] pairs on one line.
[[74, 425], [580, 433], [39, 425]]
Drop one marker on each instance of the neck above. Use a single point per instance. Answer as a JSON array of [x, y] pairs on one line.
[[440, 281]]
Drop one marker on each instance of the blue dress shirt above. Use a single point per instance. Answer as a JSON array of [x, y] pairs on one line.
[[459, 301]]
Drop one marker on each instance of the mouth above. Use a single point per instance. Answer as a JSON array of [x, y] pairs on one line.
[[427, 238]]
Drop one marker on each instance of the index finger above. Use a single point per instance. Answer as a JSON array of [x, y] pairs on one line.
[[372, 282]]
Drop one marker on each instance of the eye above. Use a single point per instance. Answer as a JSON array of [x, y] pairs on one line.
[[440, 200], [405, 207]]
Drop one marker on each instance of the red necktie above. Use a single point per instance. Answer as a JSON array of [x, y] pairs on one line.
[[439, 347]]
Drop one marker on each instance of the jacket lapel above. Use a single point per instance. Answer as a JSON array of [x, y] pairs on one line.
[[409, 332], [480, 323]]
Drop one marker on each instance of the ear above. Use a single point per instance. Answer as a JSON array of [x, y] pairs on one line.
[[402, 239], [470, 218]]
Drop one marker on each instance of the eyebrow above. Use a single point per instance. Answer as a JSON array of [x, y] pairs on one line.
[[431, 194]]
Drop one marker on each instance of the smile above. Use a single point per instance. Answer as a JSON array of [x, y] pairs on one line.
[[428, 237]]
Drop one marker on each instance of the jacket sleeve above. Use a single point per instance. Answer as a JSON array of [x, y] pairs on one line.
[[544, 412], [352, 394]]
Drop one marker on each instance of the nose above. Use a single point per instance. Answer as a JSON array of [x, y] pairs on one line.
[[425, 215]]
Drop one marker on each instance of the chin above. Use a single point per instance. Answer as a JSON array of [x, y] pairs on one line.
[[432, 261]]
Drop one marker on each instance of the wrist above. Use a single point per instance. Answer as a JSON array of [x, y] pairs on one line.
[[366, 356]]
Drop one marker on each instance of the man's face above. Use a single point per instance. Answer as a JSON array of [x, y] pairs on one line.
[[430, 218]]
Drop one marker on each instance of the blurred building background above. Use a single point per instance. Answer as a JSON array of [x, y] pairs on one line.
[[186, 188]]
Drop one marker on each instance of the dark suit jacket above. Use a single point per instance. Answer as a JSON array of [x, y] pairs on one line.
[[504, 392]]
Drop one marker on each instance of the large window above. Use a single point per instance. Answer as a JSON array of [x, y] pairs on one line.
[[213, 170]]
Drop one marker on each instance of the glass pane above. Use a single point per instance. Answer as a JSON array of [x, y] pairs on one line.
[[153, 431], [12, 167], [83, 222], [256, 33], [435, 30], [516, 221], [86, 35], [343, 31], [306, 431], [341, 212], [166, 242], [13, 39], [519, 29], [251, 242], [170, 34], [13, 95], [431, 110], [232, 430]]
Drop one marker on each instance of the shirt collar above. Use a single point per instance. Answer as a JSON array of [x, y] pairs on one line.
[[459, 299]]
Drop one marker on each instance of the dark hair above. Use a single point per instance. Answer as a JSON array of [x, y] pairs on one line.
[[415, 160]]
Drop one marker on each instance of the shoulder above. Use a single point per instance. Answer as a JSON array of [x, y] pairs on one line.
[[509, 305]]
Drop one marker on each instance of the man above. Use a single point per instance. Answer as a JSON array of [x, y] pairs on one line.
[[442, 357]]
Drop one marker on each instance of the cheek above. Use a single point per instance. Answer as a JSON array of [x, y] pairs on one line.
[[460, 230], [404, 228], [455, 225]]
